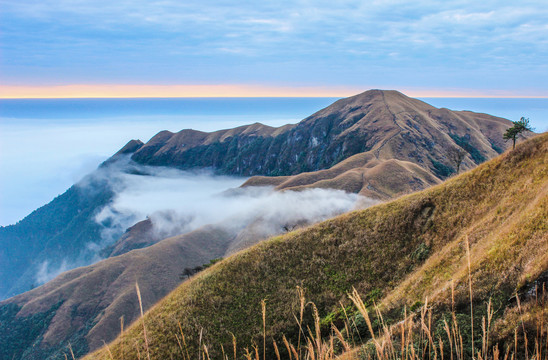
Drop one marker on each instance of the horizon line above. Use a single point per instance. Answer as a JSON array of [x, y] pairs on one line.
[[124, 91]]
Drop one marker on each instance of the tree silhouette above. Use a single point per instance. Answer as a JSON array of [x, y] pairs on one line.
[[187, 272], [519, 127], [457, 155]]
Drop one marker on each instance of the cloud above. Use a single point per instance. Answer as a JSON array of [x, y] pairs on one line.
[[181, 201], [178, 202], [47, 271], [274, 42], [48, 145]]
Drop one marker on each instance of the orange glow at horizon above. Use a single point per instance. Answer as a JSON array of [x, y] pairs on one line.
[[166, 91], [229, 90]]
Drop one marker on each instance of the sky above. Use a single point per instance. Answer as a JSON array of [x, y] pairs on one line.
[[63, 48], [48, 145]]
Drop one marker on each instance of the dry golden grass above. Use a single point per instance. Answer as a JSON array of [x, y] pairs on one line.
[[397, 254], [412, 338], [363, 174]]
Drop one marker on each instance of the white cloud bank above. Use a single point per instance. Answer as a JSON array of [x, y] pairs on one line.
[[180, 201], [41, 158]]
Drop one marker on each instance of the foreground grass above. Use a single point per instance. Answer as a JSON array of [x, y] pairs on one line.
[[419, 334], [486, 227]]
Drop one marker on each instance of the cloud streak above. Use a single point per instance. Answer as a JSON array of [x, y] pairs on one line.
[[344, 43]]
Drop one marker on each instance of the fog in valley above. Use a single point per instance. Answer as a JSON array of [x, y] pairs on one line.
[[177, 202]]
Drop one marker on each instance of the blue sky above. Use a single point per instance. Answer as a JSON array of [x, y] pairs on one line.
[[485, 47]]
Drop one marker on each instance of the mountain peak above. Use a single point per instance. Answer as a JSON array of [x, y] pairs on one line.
[[379, 92], [131, 147], [386, 122], [379, 97]]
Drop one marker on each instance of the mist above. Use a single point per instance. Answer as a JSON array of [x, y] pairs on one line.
[[46, 157], [177, 202]]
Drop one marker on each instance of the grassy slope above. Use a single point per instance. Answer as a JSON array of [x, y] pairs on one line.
[[83, 306], [362, 174], [501, 206]]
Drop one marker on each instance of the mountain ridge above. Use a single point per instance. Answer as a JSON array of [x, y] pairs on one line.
[[347, 127], [370, 123], [397, 162], [394, 253]]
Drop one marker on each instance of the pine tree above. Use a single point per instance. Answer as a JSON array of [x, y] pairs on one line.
[[519, 127]]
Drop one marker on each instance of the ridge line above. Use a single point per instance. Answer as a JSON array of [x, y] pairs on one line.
[[377, 152]]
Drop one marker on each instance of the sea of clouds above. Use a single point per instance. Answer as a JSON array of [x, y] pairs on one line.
[[179, 202]]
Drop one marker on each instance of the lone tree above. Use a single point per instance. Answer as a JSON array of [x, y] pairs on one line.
[[456, 155], [187, 272], [519, 127]]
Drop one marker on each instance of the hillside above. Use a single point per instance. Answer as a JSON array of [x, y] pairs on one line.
[[386, 124], [381, 144], [362, 174], [68, 314], [84, 305], [396, 253], [56, 231]]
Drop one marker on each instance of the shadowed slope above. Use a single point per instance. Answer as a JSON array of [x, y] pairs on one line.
[[59, 230]]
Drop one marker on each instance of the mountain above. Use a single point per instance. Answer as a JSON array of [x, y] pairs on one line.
[[393, 145], [385, 124], [69, 315], [396, 254], [381, 144]]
